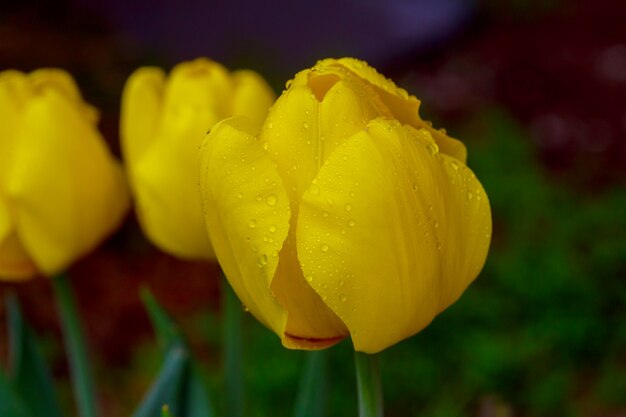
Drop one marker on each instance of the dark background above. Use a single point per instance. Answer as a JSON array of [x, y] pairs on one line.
[[536, 90]]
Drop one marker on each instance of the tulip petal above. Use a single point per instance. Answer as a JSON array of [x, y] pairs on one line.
[[67, 190], [15, 264], [247, 214], [252, 96], [141, 111], [201, 83], [386, 233], [309, 131], [14, 91], [166, 188], [290, 135], [404, 107]]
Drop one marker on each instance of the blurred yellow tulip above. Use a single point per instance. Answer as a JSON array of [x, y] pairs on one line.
[[346, 214], [163, 123], [61, 191]]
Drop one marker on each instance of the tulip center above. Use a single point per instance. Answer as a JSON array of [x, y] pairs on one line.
[[321, 83]]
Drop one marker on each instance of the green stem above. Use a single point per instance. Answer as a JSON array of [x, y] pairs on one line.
[[313, 392], [232, 356], [82, 379], [368, 385]]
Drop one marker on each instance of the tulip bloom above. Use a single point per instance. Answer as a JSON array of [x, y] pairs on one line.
[[163, 124], [61, 191], [347, 214]]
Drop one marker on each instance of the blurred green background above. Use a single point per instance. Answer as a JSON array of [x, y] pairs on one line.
[[536, 90]]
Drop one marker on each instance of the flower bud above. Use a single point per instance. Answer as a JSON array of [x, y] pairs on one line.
[[163, 123], [347, 214], [61, 190]]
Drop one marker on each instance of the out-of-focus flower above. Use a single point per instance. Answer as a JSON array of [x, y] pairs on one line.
[[61, 191], [347, 214], [163, 124]]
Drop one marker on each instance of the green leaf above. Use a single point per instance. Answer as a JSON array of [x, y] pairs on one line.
[[168, 388], [313, 391], [75, 347], [166, 330], [197, 402], [11, 405], [29, 375], [179, 385]]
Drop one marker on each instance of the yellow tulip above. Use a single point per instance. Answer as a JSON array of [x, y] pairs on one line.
[[61, 191], [346, 214], [163, 123]]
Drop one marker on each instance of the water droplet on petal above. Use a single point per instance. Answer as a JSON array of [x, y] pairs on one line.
[[432, 148], [309, 278], [343, 297], [315, 190], [324, 248], [348, 206], [271, 200], [252, 224], [273, 228], [351, 222], [305, 125], [262, 261], [239, 196]]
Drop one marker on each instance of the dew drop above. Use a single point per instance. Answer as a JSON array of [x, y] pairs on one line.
[[351, 222], [455, 165], [273, 228], [259, 198], [432, 148], [271, 200], [239, 196], [348, 207], [436, 224], [266, 146], [325, 213], [252, 224], [305, 125], [309, 278], [324, 248], [315, 190], [341, 283], [343, 297], [262, 261]]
